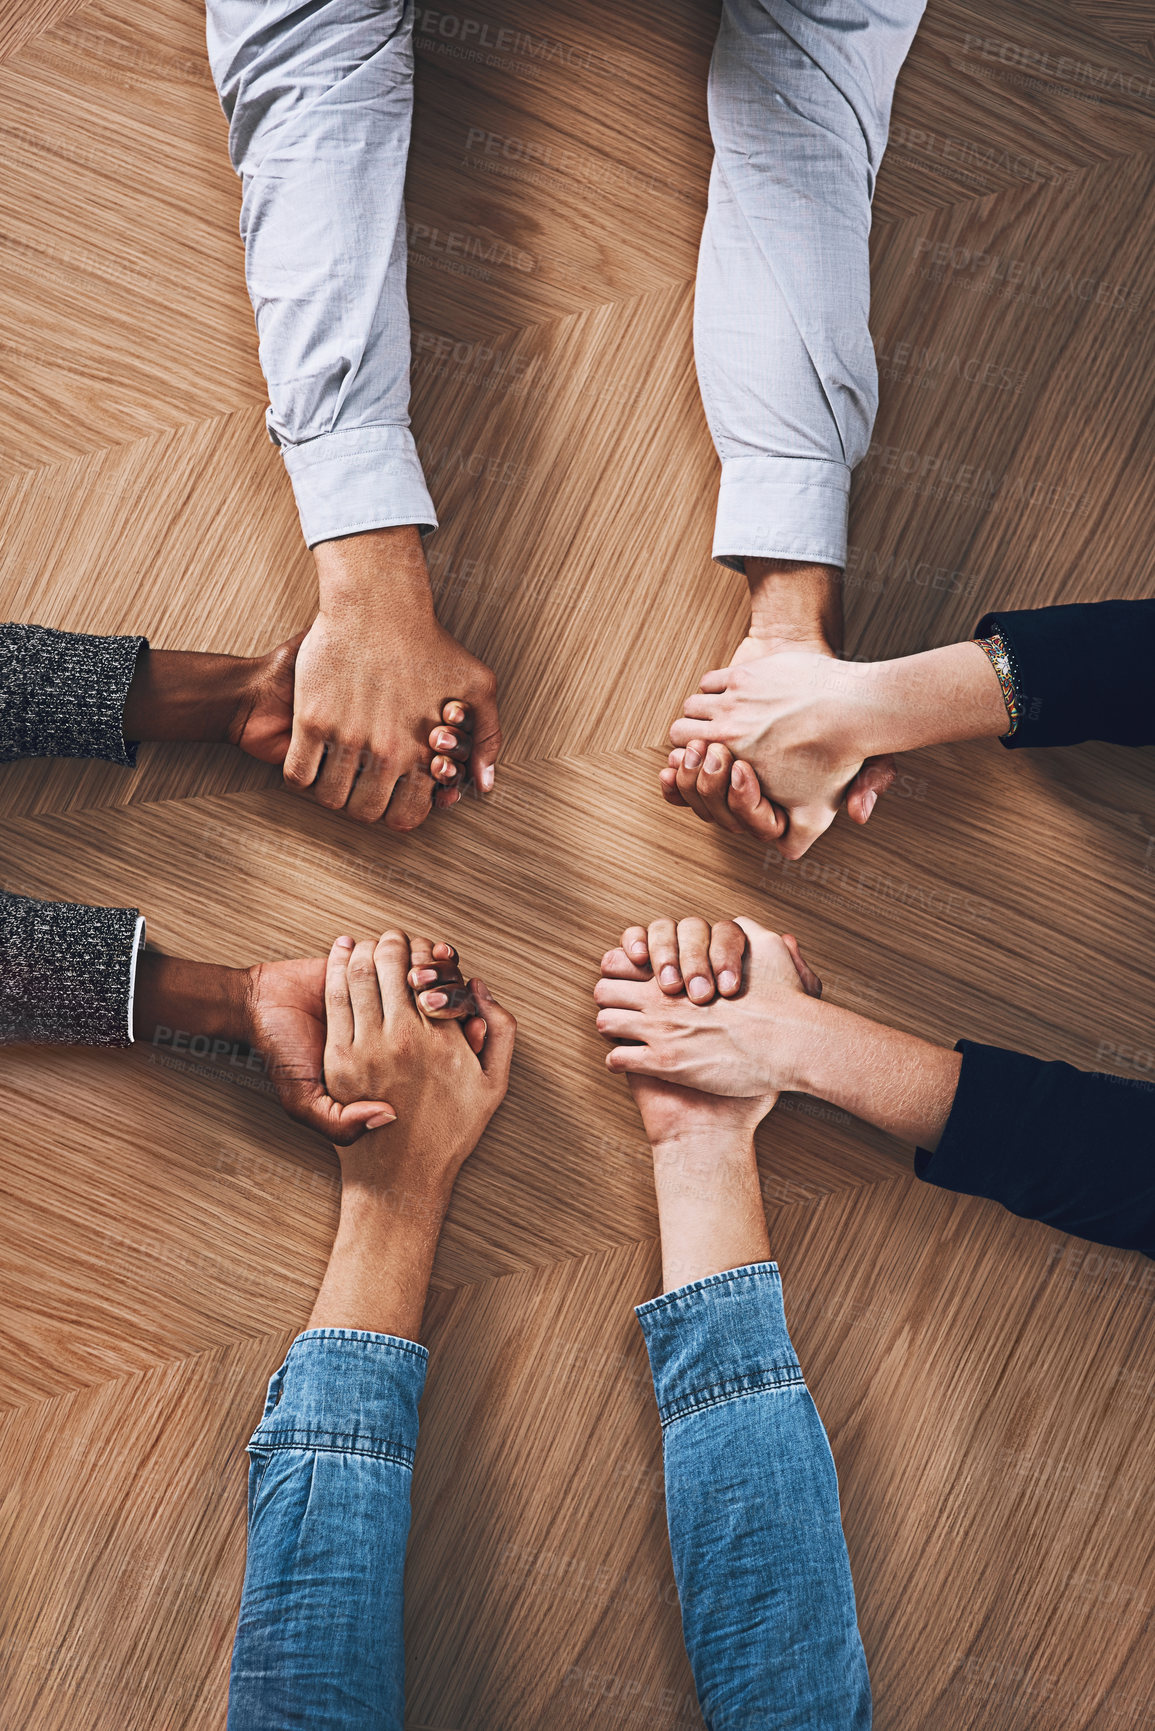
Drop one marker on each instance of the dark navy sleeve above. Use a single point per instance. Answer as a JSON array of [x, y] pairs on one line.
[[1072, 1148], [1085, 671]]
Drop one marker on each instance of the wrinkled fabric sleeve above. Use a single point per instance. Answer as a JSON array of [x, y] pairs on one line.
[[319, 1642], [799, 105], [756, 1536], [319, 102]]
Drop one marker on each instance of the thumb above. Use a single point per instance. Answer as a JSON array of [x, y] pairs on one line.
[[497, 1053], [486, 746], [876, 776], [811, 984], [308, 1103], [807, 823], [351, 1122], [751, 807]]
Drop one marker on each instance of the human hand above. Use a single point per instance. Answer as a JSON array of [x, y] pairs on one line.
[[797, 722], [443, 1089], [748, 1046], [695, 957], [283, 1017], [375, 674]]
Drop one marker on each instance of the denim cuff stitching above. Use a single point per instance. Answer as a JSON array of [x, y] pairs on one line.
[[776, 1377], [329, 1442]]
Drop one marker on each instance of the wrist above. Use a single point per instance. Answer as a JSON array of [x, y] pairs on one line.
[[794, 605], [808, 1046], [381, 568], [178, 694], [940, 696]]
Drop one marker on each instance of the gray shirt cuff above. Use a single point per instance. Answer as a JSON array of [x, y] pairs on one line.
[[62, 693], [67, 972]]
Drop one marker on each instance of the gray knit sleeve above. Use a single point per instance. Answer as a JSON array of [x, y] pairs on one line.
[[67, 972], [62, 694]]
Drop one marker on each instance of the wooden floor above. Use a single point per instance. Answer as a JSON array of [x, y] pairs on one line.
[[986, 1383]]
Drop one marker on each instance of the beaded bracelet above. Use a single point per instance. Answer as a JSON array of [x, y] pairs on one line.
[[1002, 660]]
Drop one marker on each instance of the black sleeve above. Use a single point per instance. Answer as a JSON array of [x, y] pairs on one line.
[[1074, 1149], [67, 972], [1085, 671], [62, 694]]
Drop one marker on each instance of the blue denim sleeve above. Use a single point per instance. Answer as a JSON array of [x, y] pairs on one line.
[[319, 1641], [752, 1503], [799, 100], [319, 101]]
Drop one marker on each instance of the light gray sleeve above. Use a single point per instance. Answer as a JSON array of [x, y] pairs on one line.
[[799, 103], [62, 694], [319, 101], [67, 972]]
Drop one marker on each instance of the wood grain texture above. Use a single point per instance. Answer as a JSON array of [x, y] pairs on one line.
[[986, 1382]]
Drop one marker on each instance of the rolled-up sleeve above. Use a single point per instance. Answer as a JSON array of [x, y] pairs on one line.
[[319, 102], [319, 1640], [759, 1557]]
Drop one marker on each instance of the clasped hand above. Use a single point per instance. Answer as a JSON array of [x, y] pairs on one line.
[[775, 745]]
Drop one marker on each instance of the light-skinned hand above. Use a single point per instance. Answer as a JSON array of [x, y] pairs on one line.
[[744, 1046], [379, 1043], [772, 745]]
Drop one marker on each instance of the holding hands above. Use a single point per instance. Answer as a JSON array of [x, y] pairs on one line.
[[775, 744]]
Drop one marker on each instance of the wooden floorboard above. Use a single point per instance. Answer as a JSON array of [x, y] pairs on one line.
[[986, 1382]]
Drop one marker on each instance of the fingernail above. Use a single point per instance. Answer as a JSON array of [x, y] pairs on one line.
[[670, 975], [435, 1000], [452, 795], [638, 952], [699, 987], [869, 804], [345, 943], [727, 980], [714, 759], [380, 1121], [487, 778], [692, 759], [481, 990]]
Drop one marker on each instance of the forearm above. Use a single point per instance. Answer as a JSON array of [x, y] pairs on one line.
[[710, 1208], [62, 693], [180, 996], [66, 972], [177, 694], [894, 1081], [794, 605], [382, 571], [382, 1258], [320, 1635]]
